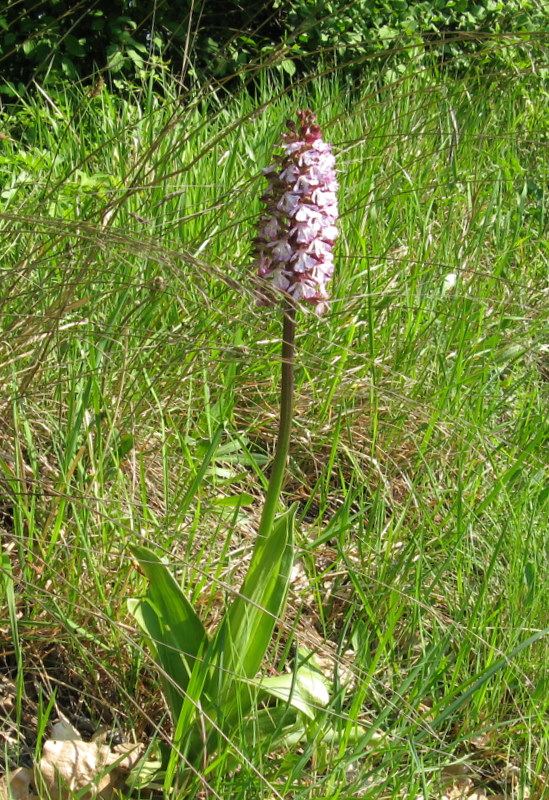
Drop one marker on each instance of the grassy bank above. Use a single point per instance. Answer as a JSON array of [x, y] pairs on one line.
[[130, 337]]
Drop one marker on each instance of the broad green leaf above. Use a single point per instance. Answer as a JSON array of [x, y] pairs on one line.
[[243, 637], [173, 668], [188, 737], [274, 728], [170, 621], [176, 612], [352, 734], [234, 500], [68, 67], [74, 46], [268, 730], [288, 66], [305, 690], [147, 773], [126, 444]]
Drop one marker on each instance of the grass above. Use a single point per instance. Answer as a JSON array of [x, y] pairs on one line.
[[130, 338]]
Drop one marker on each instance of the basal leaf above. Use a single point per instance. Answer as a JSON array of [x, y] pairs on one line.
[[305, 690], [176, 612], [173, 666], [244, 635], [170, 622], [274, 728]]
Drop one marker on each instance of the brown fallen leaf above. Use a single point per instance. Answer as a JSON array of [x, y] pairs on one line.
[[69, 766], [459, 790], [18, 785]]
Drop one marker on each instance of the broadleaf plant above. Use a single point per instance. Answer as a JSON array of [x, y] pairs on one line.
[[208, 682]]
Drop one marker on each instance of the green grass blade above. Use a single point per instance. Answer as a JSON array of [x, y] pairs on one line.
[[198, 478], [485, 676]]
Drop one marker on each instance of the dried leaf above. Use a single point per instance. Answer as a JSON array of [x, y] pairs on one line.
[[71, 765], [459, 790], [19, 786], [62, 730]]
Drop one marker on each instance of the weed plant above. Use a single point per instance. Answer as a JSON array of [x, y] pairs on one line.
[[138, 404]]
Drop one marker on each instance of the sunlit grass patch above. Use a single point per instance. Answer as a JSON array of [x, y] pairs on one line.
[[130, 337]]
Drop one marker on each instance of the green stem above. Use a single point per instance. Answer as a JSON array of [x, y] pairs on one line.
[[285, 424]]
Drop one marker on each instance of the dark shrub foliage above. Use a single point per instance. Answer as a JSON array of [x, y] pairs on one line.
[[74, 40], [67, 39]]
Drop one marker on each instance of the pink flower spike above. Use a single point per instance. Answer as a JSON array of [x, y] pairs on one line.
[[298, 229]]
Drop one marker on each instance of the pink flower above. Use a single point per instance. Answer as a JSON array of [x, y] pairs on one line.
[[282, 251], [297, 231]]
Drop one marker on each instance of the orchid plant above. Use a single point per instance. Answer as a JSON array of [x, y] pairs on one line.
[[210, 683]]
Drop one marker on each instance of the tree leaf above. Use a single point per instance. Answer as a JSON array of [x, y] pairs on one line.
[[74, 46]]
